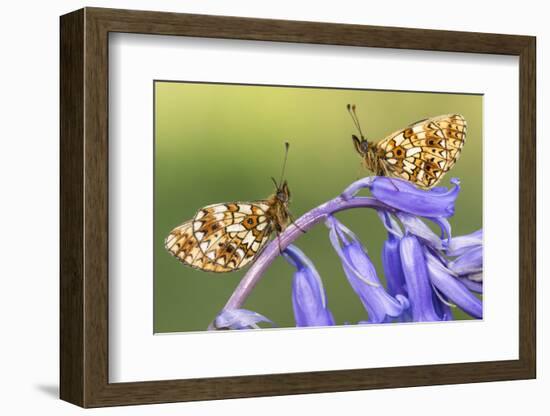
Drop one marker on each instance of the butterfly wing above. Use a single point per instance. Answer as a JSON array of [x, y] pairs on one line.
[[222, 237], [183, 245], [423, 152]]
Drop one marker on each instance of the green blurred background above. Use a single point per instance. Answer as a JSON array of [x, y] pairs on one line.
[[220, 143]]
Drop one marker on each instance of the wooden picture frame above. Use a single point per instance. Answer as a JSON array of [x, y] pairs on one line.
[[84, 207]]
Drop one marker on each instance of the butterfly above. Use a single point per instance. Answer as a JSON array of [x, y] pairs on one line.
[[228, 236], [421, 153]]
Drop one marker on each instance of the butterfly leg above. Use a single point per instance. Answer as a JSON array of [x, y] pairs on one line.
[[279, 242], [387, 175], [291, 217], [393, 183]]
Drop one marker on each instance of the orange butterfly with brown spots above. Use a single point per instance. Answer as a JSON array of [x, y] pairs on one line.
[[228, 236], [421, 153]]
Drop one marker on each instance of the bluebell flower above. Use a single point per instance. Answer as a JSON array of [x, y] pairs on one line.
[[361, 274], [309, 299], [437, 288], [468, 250], [415, 226], [459, 245], [391, 261], [474, 286], [406, 197], [469, 263], [427, 273], [239, 319], [446, 282], [443, 307], [418, 283]]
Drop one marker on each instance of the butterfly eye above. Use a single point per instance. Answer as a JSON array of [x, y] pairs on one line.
[[281, 196], [364, 146]]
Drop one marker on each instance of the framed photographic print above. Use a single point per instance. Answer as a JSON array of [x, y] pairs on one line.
[[255, 207]]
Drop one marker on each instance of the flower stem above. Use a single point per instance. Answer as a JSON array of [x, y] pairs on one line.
[[304, 223]]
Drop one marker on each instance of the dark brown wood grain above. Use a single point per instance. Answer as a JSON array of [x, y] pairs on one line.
[[527, 207], [71, 100], [84, 207]]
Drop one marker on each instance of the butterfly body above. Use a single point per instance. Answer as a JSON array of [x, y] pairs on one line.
[[228, 236], [420, 153], [372, 156]]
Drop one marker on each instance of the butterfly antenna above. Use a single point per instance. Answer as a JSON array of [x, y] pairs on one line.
[[353, 115], [287, 145]]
